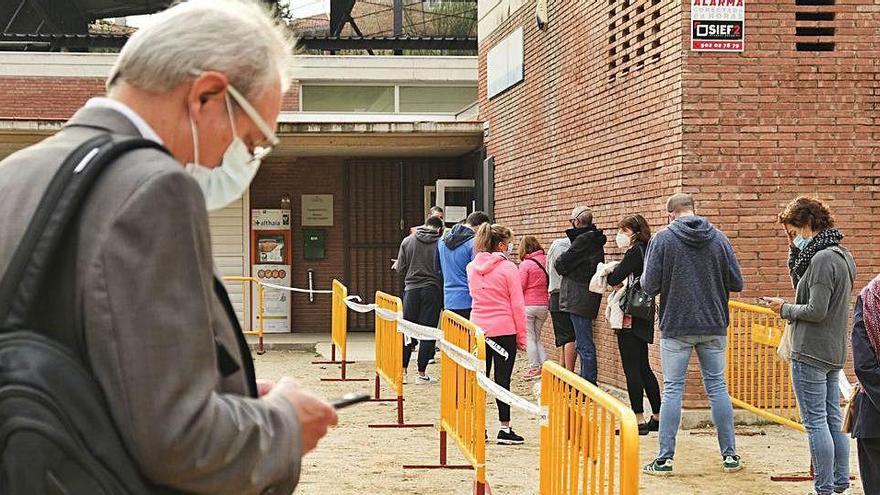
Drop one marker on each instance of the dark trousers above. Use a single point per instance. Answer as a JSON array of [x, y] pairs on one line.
[[422, 306], [640, 378], [464, 313], [503, 369], [869, 464]]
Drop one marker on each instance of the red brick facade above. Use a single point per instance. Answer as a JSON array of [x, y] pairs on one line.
[[616, 113], [297, 177], [57, 98]]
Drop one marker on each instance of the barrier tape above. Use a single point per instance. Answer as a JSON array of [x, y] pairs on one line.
[[296, 289], [353, 303], [497, 348], [510, 398], [412, 330]]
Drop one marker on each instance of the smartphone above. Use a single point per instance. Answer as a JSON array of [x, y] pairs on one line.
[[349, 400]]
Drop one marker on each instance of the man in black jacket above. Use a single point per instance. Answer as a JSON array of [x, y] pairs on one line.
[[577, 266]]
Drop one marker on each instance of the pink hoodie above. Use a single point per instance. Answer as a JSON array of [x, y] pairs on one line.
[[498, 306], [534, 279]]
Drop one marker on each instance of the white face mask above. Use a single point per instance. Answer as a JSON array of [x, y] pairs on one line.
[[224, 184], [509, 249], [622, 240]]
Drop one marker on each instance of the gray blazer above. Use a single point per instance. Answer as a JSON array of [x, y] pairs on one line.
[[137, 280]]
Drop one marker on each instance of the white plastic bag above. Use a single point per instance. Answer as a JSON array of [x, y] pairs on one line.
[[784, 349]]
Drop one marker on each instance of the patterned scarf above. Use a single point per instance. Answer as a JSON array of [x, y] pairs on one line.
[[871, 312], [801, 261]]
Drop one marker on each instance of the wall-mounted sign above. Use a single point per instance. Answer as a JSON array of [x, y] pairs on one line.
[[718, 25], [504, 63], [270, 219], [317, 210]]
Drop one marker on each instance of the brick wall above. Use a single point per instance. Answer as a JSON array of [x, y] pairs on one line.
[[744, 132], [569, 135], [45, 98], [296, 177], [763, 128], [57, 98]]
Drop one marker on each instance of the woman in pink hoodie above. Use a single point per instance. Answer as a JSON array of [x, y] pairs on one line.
[[499, 309], [534, 279]]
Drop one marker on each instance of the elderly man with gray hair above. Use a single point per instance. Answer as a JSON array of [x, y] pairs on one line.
[[693, 268], [136, 286]]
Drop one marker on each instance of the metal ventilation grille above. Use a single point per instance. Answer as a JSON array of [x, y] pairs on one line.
[[633, 35], [814, 25]]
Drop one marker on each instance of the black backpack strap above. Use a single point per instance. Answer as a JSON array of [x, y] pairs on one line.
[[57, 210], [541, 267]]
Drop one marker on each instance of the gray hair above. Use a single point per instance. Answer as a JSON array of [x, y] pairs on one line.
[[238, 38], [582, 214], [680, 203]]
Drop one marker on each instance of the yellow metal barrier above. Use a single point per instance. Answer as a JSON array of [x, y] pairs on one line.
[[462, 400], [389, 357], [581, 449], [339, 333], [246, 284], [758, 380]]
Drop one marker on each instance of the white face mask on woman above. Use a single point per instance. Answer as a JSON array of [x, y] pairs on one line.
[[623, 241], [224, 184]]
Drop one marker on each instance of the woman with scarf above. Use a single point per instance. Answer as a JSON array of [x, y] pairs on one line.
[[822, 273], [866, 405]]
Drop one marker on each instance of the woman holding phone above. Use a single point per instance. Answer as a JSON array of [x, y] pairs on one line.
[[822, 273]]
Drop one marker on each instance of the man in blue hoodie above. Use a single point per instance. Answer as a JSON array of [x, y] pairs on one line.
[[693, 268], [454, 252]]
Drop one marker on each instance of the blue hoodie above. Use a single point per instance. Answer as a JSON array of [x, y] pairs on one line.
[[691, 264], [454, 252]]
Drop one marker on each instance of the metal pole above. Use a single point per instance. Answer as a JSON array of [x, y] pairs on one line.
[[398, 21]]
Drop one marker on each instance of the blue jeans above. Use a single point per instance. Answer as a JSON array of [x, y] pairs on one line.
[[818, 396], [675, 353], [586, 348]]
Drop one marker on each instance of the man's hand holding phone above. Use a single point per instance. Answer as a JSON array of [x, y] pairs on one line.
[[774, 303]]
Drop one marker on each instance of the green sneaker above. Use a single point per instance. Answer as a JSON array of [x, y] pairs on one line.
[[660, 467], [731, 464]]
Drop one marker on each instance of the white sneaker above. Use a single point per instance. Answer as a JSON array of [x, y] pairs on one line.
[[424, 380]]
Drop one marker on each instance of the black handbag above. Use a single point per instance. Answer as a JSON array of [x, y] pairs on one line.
[[636, 302]]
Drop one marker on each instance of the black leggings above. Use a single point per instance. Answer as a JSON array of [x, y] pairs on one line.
[[639, 376], [422, 306], [503, 369]]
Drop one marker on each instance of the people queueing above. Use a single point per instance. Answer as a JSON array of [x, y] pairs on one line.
[[636, 333], [499, 309], [822, 273], [577, 265], [866, 404], [693, 268], [534, 278], [423, 289], [563, 329], [454, 252]]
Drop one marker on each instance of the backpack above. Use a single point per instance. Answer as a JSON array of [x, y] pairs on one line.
[[56, 433]]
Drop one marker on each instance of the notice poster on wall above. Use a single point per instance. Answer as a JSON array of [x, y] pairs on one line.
[[718, 25]]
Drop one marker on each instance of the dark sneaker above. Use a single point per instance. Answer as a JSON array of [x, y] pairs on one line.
[[651, 425], [509, 437], [660, 467], [731, 464]]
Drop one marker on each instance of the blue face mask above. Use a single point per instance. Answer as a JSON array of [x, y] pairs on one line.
[[801, 242]]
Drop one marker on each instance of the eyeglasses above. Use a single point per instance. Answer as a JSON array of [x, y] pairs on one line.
[[262, 150]]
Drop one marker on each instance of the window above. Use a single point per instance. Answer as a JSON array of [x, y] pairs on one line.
[[436, 99], [814, 25], [349, 99]]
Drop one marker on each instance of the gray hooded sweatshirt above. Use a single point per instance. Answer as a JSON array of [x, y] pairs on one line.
[[417, 259], [691, 264]]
